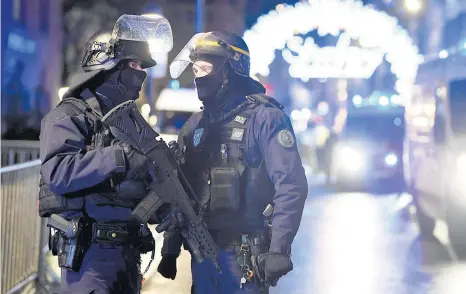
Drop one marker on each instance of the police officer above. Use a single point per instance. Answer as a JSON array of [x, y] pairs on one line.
[[89, 176], [241, 158]]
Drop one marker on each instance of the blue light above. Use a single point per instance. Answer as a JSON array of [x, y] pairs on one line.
[[174, 84], [21, 44], [357, 100], [391, 159]]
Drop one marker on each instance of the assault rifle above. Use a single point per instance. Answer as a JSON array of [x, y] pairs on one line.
[[168, 181]]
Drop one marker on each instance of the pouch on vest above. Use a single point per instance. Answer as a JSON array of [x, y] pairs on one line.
[[51, 203], [224, 189]]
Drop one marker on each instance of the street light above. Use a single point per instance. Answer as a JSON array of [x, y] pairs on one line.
[[413, 6]]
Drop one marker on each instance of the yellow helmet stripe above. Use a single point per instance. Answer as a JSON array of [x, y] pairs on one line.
[[202, 43]]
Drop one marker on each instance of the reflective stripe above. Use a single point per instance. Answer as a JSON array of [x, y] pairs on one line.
[[216, 44]]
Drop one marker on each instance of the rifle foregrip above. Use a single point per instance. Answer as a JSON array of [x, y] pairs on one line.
[[147, 207]]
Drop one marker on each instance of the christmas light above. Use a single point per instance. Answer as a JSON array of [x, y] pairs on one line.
[[378, 34], [413, 6], [307, 60], [357, 99], [443, 54], [383, 100]]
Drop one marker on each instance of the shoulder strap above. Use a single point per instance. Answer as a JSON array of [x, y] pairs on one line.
[[82, 106], [265, 99]]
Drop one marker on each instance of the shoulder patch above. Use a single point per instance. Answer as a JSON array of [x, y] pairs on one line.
[[197, 136], [286, 138], [240, 119], [237, 134]]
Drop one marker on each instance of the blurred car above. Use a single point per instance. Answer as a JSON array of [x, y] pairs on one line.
[[369, 149], [173, 108], [435, 166]]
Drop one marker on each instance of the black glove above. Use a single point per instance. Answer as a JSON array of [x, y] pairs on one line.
[[172, 220], [273, 266], [147, 242], [167, 266], [136, 162]]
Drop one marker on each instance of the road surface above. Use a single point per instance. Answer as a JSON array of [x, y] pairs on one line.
[[350, 243], [356, 243]]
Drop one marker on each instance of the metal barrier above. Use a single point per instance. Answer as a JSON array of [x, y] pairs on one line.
[[20, 226], [14, 152]]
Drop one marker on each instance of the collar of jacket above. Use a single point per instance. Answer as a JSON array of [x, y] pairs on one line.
[[236, 98]]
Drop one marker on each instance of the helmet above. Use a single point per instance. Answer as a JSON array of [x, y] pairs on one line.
[[229, 47], [130, 39]]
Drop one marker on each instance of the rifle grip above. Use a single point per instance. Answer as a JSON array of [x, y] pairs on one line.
[[147, 207]]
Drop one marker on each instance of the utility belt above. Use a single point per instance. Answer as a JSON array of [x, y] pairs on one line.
[[248, 247], [228, 238], [73, 238]]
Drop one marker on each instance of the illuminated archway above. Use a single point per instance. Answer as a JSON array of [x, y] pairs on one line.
[[377, 33]]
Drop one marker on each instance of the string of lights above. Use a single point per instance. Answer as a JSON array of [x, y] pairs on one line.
[[375, 31]]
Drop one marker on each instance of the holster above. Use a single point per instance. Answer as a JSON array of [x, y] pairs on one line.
[[251, 247], [71, 246], [258, 245]]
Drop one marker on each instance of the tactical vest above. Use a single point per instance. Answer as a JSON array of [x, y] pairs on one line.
[[233, 191], [125, 194]]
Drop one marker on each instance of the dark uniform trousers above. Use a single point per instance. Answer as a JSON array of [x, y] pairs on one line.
[[106, 269]]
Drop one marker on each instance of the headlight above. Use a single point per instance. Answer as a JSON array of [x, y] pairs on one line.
[[391, 159], [461, 163], [350, 159]]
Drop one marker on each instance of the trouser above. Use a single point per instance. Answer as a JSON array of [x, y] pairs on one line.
[[106, 269], [206, 279]]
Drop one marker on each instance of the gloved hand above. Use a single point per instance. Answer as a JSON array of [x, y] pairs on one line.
[[172, 220], [273, 266], [136, 162], [167, 266]]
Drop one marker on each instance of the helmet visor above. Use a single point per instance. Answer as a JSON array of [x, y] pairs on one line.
[[153, 29], [206, 54]]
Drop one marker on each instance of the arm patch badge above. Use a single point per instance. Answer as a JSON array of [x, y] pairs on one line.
[[237, 134], [197, 136], [240, 119], [286, 138]]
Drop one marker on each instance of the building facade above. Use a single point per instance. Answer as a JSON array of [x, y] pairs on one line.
[[31, 57]]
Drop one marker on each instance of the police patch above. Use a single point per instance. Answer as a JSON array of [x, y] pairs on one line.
[[240, 119], [197, 136], [285, 138], [237, 134]]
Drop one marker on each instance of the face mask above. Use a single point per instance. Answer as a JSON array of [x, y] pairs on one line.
[[121, 86], [209, 86], [132, 79]]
